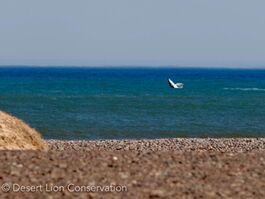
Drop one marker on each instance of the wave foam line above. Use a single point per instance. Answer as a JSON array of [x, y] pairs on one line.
[[245, 89]]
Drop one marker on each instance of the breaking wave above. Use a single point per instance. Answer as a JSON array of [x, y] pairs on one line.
[[245, 89]]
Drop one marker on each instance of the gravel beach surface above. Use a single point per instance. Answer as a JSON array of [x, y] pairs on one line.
[[164, 168]]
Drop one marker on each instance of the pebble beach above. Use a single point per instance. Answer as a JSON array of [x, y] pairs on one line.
[[163, 168]]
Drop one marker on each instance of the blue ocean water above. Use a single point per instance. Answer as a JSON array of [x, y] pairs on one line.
[[103, 103]]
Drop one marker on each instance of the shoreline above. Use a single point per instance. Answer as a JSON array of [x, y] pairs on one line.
[[164, 144], [161, 168]]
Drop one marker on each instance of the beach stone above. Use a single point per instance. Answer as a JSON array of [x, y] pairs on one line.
[[17, 135]]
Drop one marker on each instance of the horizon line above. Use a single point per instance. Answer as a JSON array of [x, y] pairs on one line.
[[132, 66]]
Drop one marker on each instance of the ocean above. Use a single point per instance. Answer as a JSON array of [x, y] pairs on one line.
[[135, 103]]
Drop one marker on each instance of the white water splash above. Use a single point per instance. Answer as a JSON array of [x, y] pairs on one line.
[[245, 89]]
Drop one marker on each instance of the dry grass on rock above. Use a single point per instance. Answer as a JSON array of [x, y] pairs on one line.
[[17, 135]]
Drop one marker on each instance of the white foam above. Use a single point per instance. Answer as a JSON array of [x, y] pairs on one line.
[[245, 89]]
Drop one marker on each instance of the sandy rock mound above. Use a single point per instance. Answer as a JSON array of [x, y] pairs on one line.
[[16, 135]]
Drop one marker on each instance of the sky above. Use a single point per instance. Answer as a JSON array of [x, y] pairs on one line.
[[212, 33]]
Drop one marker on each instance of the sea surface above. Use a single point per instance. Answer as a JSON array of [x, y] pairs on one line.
[[134, 103]]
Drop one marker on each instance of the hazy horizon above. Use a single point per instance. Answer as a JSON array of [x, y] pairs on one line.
[[150, 33], [135, 66]]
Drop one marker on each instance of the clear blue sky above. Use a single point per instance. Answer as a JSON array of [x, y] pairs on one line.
[[133, 32]]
